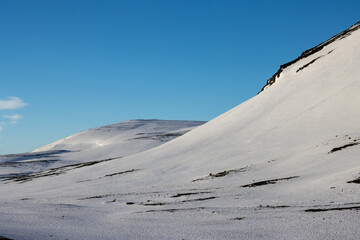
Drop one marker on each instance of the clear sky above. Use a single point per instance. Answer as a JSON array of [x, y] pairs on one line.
[[71, 65]]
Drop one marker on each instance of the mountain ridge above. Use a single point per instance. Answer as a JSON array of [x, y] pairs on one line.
[[309, 52]]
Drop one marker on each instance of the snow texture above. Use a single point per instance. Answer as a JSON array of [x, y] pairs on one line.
[[282, 165]]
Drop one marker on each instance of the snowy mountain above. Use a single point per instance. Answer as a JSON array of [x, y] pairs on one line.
[[97, 144], [120, 139], [282, 165]]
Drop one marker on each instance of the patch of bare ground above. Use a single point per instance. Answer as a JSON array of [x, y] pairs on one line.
[[332, 209], [51, 172], [198, 199], [308, 64], [166, 203], [123, 172], [342, 147], [221, 174], [187, 194], [162, 137], [4, 238], [266, 182], [355, 181], [175, 210]]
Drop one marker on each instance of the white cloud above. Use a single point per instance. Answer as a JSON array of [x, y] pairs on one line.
[[13, 117], [9, 104], [12, 103]]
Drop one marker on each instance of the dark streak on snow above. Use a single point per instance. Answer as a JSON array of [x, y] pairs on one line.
[[153, 204], [266, 182], [52, 172], [110, 175], [184, 201], [116, 194], [309, 63], [123, 172], [31, 155], [174, 210], [4, 238], [221, 174], [98, 196], [133, 124], [198, 199], [40, 163], [342, 147], [187, 194], [5, 177], [355, 181], [274, 207], [311, 51], [38, 159], [163, 137], [86, 180], [332, 209]]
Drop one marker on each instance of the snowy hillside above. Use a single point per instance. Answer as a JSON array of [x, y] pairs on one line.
[[97, 144], [283, 165], [120, 139]]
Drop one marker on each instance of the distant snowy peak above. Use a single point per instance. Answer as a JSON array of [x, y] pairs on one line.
[[113, 141], [310, 52], [123, 138]]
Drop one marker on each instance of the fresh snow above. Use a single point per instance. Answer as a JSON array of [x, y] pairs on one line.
[[107, 142], [275, 167], [120, 139]]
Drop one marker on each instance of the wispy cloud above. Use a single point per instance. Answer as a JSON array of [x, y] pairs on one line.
[[14, 118], [12, 103]]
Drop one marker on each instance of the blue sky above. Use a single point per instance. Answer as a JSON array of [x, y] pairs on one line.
[[67, 66]]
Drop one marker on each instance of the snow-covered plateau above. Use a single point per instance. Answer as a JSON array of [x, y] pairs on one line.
[[283, 165]]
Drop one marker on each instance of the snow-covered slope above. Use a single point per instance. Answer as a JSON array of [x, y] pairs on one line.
[[121, 139], [283, 165], [97, 144]]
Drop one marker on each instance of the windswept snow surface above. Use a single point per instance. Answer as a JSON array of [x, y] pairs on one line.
[[113, 141], [283, 165], [120, 139]]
